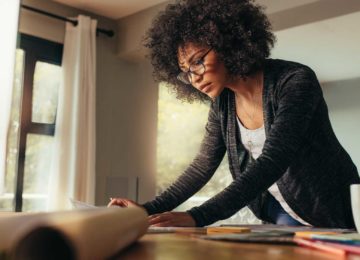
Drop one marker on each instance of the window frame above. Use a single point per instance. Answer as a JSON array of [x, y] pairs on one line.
[[35, 49]]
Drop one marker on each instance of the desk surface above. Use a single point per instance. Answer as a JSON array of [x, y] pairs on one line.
[[183, 247]]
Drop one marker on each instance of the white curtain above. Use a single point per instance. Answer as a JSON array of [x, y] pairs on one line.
[[9, 13], [73, 167]]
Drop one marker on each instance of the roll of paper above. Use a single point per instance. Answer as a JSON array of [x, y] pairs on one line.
[[96, 233]]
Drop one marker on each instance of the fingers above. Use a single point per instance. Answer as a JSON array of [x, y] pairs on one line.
[[157, 219], [168, 219], [111, 203], [118, 202], [164, 224]]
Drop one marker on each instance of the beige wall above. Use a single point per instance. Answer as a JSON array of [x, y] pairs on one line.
[[52, 29], [126, 103], [131, 31]]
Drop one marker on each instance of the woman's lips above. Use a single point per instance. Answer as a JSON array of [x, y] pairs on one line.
[[205, 88]]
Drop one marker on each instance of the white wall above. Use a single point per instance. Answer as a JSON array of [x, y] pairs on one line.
[[342, 98]]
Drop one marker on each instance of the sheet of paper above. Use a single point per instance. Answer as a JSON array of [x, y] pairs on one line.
[[180, 230], [80, 205]]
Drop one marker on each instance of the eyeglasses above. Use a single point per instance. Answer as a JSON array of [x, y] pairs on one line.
[[197, 68]]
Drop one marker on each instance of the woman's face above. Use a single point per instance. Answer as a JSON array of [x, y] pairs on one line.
[[214, 78]]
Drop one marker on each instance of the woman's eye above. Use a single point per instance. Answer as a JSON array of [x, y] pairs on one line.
[[199, 61]]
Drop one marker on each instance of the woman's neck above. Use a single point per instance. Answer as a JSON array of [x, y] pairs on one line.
[[247, 87]]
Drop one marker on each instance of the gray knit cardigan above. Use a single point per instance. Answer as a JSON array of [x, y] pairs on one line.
[[301, 154]]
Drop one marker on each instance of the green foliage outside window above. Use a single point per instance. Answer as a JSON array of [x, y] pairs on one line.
[[181, 127]]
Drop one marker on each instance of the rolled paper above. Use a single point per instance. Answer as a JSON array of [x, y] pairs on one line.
[[97, 233]]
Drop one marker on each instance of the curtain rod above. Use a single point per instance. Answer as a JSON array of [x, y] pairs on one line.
[[108, 33]]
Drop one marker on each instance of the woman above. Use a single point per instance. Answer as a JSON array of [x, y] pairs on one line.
[[268, 115]]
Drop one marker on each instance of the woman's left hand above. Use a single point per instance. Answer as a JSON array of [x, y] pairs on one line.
[[171, 219]]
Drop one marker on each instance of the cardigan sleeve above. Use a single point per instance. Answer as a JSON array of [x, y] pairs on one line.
[[199, 172], [298, 98]]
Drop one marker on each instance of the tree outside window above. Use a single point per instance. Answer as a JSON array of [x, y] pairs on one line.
[[181, 127]]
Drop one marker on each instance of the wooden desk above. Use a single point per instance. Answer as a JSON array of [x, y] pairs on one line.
[[183, 247]]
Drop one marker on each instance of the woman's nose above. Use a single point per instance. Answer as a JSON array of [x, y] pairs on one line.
[[195, 78]]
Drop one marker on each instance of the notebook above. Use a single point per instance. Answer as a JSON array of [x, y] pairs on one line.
[[351, 239], [268, 237]]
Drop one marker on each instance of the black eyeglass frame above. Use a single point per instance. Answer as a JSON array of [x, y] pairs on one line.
[[185, 76]]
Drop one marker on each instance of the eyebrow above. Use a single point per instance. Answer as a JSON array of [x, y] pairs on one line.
[[191, 58]]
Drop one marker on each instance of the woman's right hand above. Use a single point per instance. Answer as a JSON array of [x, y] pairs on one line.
[[124, 203]]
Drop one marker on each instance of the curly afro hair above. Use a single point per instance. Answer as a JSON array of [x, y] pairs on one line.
[[238, 31]]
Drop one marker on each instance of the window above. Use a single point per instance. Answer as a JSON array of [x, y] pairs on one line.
[[33, 115], [181, 128]]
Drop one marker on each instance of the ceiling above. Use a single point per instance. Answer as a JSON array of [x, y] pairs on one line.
[[331, 47], [116, 9], [323, 34], [113, 9]]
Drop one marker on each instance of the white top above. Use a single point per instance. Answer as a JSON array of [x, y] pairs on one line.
[[254, 140]]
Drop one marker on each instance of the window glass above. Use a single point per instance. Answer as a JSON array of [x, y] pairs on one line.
[[29, 137], [36, 175], [6, 198], [181, 127], [45, 92]]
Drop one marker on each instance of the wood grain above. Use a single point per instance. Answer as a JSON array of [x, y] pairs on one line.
[[185, 247]]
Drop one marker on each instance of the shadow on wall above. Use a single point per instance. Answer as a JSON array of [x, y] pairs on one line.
[[343, 95], [342, 98]]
